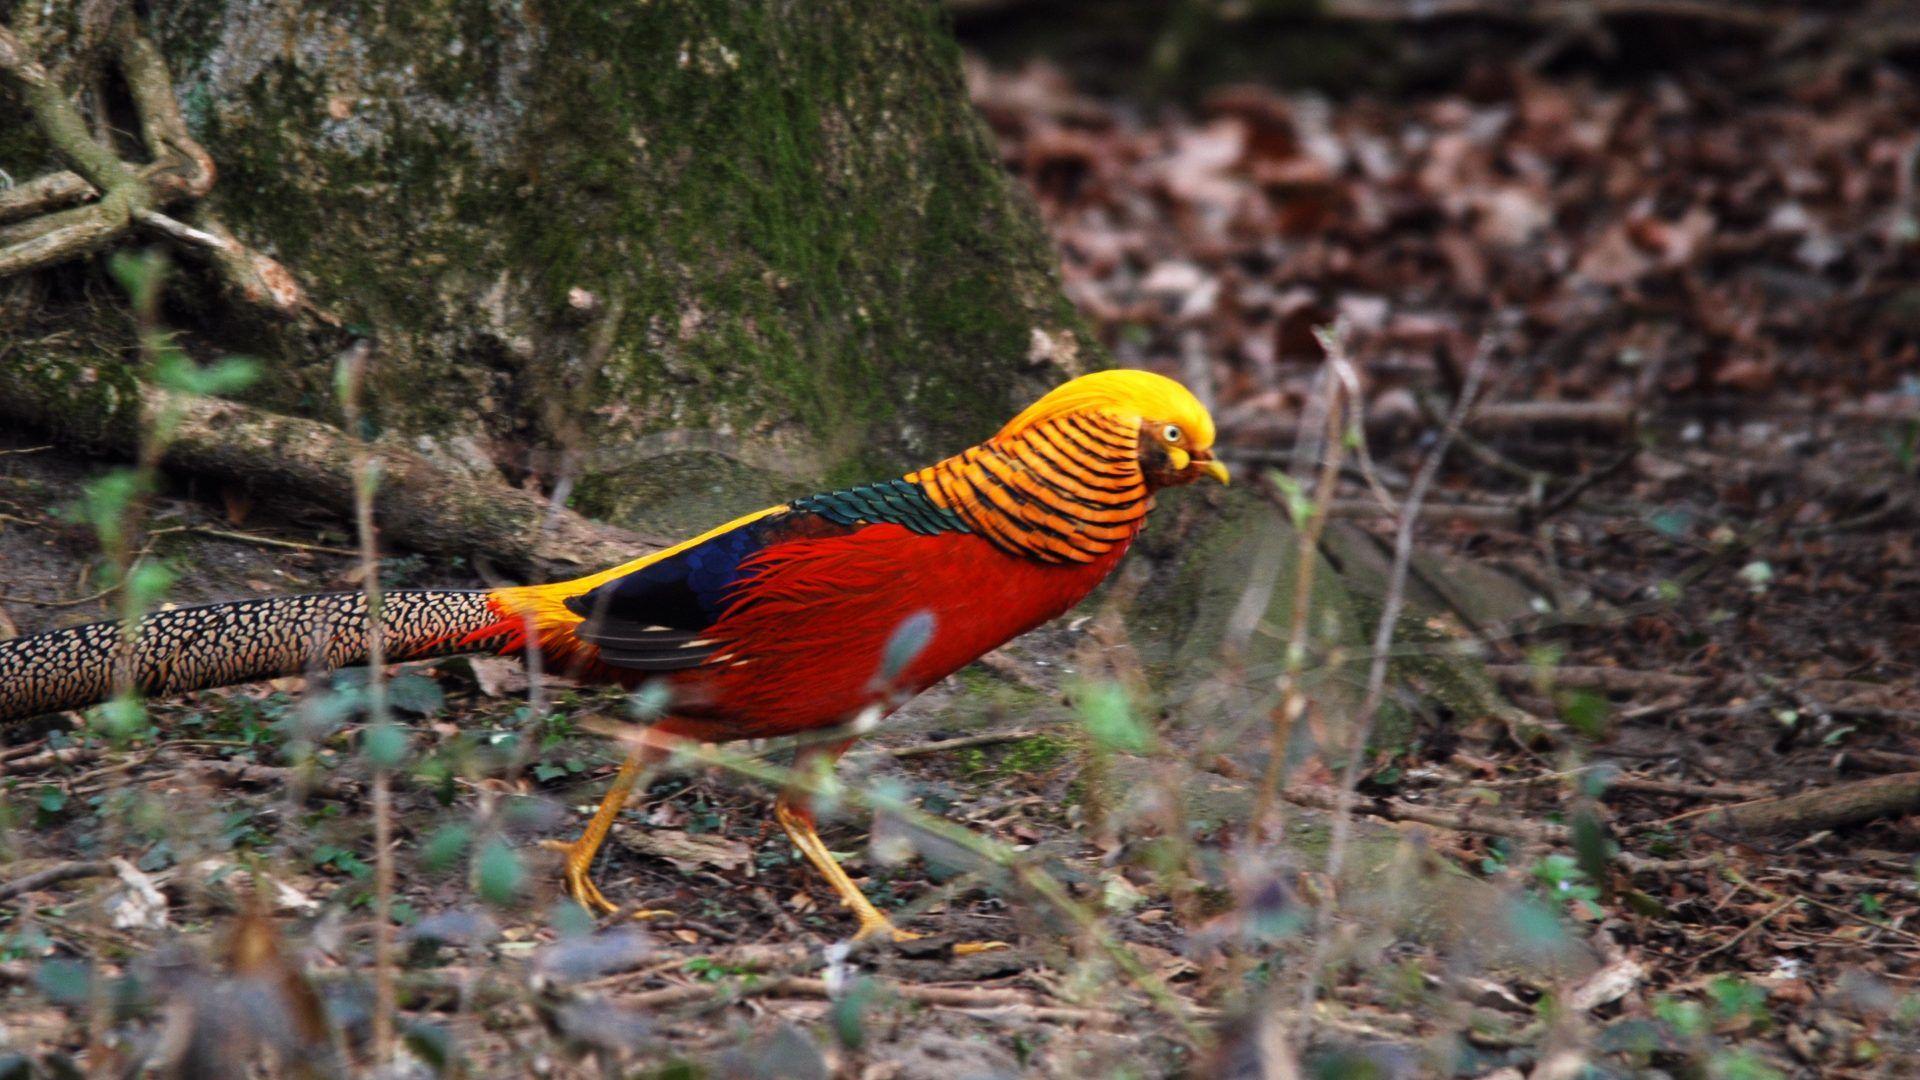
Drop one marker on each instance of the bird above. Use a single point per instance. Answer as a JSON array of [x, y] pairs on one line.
[[795, 619]]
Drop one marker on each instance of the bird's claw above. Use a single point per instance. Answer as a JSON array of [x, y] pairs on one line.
[[578, 882], [884, 929]]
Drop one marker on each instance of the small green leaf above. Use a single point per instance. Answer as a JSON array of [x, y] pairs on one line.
[[906, 643], [499, 873], [65, 982], [148, 583], [120, 719], [1299, 507], [1585, 712], [444, 847], [1109, 717], [416, 694], [140, 273], [650, 701], [175, 371], [1672, 524], [385, 745]]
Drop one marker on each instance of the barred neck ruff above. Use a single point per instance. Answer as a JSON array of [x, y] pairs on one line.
[[1065, 489]]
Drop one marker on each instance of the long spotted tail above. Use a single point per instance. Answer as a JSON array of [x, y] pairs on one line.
[[241, 641]]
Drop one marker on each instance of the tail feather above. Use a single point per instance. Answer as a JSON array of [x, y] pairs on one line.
[[242, 641]]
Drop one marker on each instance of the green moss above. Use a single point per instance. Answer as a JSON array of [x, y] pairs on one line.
[[795, 211], [1034, 755]]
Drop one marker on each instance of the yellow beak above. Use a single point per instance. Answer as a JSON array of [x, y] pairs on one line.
[[1215, 469]]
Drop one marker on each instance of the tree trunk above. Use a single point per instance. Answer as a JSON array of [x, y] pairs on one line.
[[679, 258]]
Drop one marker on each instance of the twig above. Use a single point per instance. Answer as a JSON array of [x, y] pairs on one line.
[[1342, 399], [993, 738], [54, 191], [1747, 930], [1638, 785], [53, 875], [1393, 600], [1570, 494], [1659, 683], [1324, 797], [366, 473], [1832, 909], [11, 752], [269, 541], [65, 756]]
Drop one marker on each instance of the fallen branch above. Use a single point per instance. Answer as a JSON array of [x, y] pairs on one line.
[[53, 875], [1604, 679], [954, 997], [102, 408], [1811, 811], [1422, 11]]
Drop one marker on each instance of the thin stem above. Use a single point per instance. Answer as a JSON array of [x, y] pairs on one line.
[[366, 481], [1395, 598]]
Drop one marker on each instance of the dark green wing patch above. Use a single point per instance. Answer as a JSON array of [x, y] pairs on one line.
[[894, 502]]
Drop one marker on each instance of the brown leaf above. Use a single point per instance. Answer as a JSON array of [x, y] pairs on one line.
[[687, 851]]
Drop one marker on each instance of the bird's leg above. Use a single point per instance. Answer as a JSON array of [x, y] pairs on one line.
[[580, 854], [794, 811]]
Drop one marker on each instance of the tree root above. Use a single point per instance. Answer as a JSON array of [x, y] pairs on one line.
[[65, 215], [420, 505]]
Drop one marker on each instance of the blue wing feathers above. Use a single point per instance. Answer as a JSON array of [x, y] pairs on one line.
[[651, 619]]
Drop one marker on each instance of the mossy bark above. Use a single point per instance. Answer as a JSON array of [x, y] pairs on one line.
[[693, 255]]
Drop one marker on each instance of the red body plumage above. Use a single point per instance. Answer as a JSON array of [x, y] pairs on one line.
[[803, 645]]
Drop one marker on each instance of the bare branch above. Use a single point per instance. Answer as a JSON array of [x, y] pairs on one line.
[[56, 238], [54, 191]]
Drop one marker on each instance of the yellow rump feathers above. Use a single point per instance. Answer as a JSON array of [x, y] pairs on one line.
[[1127, 395]]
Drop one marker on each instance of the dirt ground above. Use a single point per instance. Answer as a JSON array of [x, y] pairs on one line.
[[1611, 881]]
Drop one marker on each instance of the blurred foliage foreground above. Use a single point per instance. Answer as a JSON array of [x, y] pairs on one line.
[[359, 883]]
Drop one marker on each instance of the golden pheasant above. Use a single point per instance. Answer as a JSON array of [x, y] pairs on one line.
[[777, 623]]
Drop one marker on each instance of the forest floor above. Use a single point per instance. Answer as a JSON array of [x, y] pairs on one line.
[[1728, 615]]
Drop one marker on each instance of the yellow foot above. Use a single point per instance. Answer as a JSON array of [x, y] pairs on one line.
[[578, 881], [883, 928]]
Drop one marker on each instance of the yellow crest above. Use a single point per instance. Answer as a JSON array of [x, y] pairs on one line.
[[1127, 395]]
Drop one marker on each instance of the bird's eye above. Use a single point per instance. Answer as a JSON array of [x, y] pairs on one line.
[[1171, 433]]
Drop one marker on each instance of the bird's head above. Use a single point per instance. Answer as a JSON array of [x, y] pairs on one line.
[[1176, 433]]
